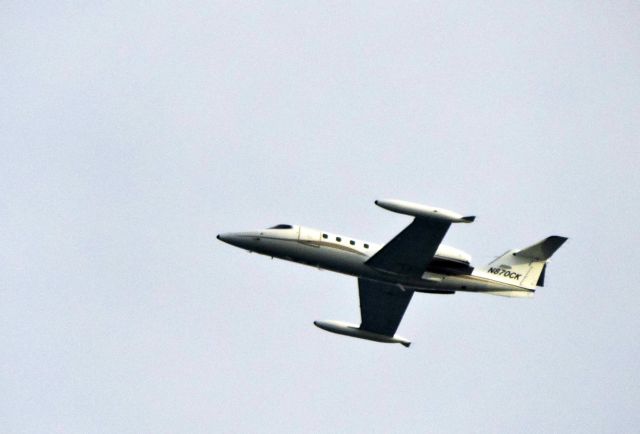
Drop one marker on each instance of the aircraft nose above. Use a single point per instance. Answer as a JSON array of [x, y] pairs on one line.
[[245, 240], [233, 238]]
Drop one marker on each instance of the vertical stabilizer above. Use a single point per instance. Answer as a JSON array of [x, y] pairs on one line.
[[524, 268]]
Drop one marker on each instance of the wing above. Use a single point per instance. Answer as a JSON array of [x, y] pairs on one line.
[[382, 306], [411, 250]]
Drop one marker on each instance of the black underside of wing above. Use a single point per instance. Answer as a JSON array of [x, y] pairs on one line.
[[411, 250], [382, 306]]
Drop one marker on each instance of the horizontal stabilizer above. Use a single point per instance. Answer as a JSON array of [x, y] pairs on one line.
[[542, 250]]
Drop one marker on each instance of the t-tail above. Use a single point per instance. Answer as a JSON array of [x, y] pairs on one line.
[[523, 268]]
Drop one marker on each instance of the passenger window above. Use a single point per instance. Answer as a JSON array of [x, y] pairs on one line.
[[338, 239], [366, 246], [325, 236], [353, 243]]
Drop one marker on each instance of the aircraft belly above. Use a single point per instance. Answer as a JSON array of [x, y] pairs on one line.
[[340, 261], [311, 254], [473, 284], [347, 262]]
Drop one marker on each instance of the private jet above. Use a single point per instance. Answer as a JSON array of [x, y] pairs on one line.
[[413, 261]]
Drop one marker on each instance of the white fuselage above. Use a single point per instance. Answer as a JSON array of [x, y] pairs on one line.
[[450, 271]]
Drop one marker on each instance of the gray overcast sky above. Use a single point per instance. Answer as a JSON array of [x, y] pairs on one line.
[[133, 133]]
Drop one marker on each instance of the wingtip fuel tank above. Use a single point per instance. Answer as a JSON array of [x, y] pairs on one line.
[[344, 328], [424, 211]]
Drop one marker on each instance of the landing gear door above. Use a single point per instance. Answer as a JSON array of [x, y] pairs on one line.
[[308, 234]]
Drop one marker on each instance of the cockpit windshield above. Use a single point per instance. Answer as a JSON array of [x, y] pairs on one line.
[[281, 227]]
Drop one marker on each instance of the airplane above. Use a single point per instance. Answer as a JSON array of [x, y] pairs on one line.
[[413, 261]]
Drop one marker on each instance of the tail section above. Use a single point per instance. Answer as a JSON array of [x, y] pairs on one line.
[[524, 268]]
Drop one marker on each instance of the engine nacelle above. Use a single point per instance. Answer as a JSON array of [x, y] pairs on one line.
[[453, 254]]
